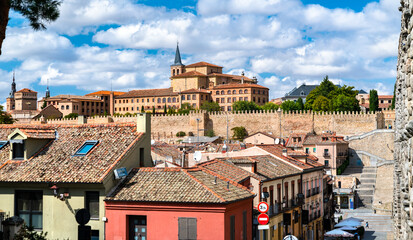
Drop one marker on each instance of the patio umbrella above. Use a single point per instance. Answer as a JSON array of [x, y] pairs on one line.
[[348, 228], [350, 223], [338, 233]]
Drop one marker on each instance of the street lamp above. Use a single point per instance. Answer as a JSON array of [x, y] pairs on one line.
[[279, 115]]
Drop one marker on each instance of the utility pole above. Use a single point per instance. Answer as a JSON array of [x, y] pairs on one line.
[[227, 129], [197, 128]]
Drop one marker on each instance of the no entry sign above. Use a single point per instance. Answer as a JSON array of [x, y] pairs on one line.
[[262, 207], [263, 218]]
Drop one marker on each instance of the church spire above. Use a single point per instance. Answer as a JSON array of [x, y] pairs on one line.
[[13, 87], [178, 61], [47, 90]]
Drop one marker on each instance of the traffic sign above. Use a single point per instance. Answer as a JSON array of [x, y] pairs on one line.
[[262, 207], [263, 227], [263, 218]]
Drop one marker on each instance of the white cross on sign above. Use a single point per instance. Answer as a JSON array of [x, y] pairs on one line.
[[263, 207]]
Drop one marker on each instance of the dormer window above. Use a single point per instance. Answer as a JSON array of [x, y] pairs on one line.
[[85, 148], [302, 93], [18, 149], [3, 143]]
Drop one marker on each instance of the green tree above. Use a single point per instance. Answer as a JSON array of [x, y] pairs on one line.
[[210, 133], [171, 111], [5, 118], [28, 233], [326, 86], [393, 102], [321, 104], [181, 134], [38, 12], [142, 109], [164, 109], [71, 115], [185, 108], [344, 103], [288, 106], [128, 114], [241, 106], [373, 101], [270, 106], [153, 110], [211, 106], [44, 105], [239, 133], [300, 104]]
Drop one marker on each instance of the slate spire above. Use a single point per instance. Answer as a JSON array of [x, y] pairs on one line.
[[47, 90], [178, 61], [13, 87]]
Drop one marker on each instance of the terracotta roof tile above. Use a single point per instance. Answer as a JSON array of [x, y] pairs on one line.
[[196, 91], [189, 74], [238, 85], [55, 161], [27, 90], [202, 64], [105, 93], [237, 77], [149, 93], [192, 185]]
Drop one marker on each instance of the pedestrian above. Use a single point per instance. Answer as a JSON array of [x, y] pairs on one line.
[[367, 224]]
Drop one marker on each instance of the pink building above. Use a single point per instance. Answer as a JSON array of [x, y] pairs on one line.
[[176, 203]]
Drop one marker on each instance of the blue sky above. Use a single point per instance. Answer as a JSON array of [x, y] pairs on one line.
[[126, 44]]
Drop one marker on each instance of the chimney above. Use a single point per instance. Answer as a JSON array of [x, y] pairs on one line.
[[285, 152], [81, 119], [143, 123], [111, 103]]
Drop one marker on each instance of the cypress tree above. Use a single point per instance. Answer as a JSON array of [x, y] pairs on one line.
[[374, 101]]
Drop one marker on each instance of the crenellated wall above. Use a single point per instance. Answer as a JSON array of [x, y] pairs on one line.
[[277, 123]]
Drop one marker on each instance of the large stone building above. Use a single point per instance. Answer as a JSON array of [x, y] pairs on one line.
[[194, 84], [403, 184]]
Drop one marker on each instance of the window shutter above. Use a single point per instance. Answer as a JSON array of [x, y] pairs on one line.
[[191, 228], [182, 226]]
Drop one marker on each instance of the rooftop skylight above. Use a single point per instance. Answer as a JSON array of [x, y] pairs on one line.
[[2, 144], [85, 148]]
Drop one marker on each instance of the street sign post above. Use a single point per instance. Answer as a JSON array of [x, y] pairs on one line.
[[263, 219], [263, 207]]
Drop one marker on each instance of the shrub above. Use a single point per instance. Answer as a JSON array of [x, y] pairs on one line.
[[239, 133], [181, 134], [210, 133]]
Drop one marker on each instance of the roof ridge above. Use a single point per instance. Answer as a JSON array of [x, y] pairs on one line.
[[226, 179], [203, 185]]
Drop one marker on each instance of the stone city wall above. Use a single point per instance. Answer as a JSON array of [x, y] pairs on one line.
[[166, 127]]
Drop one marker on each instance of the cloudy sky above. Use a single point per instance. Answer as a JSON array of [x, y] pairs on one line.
[[129, 44]]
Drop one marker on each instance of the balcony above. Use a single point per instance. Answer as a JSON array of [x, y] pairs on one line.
[[326, 154], [308, 193], [274, 210]]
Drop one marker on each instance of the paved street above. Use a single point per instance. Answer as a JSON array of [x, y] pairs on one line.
[[380, 226]]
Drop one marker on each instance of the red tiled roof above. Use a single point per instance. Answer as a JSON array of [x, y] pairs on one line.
[[98, 93], [290, 142], [39, 133], [193, 90], [166, 150], [276, 150], [55, 161], [189, 74], [192, 185], [385, 96], [27, 90], [238, 85], [149, 93], [263, 133], [237, 77], [202, 64]]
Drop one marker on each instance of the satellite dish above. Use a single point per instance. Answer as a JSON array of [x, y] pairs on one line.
[[290, 237], [152, 142], [277, 141], [197, 156]]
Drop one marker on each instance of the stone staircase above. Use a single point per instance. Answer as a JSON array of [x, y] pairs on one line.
[[365, 190], [380, 226]]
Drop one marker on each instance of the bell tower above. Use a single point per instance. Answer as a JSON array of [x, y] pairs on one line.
[[10, 102], [177, 68]]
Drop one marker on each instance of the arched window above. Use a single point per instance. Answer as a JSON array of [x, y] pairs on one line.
[[240, 91], [63, 107], [222, 92], [67, 106], [173, 100], [302, 93], [163, 100], [234, 99], [246, 91], [229, 92], [159, 100], [217, 92], [234, 91], [253, 91], [169, 100], [173, 72]]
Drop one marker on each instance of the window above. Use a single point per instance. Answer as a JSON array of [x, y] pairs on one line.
[[244, 225], [187, 228], [229, 92], [314, 150], [240, 91], [229, 100], [229, 108], [137, 227], [307, 150], [222, 100], [63, 107], [217, 92], [259, 91], [163, 100], [141, 157], [29, 206], [2, 144], [232, 227], [173, 100], [188, 97], [193, 97], [234, 91], [85, 148], [92, 204], [202, 97], [253, 91], [169, 100], [67, 106], [234, 99], [245, 91], [95, 235], [326, 163], [222, 92], [240, 98], [18, 149], [137, 100], [245, 98], [217, 100], [183, 97], [302, 93]]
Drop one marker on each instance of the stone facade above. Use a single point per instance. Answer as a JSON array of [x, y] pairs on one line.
[[403, 181]]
